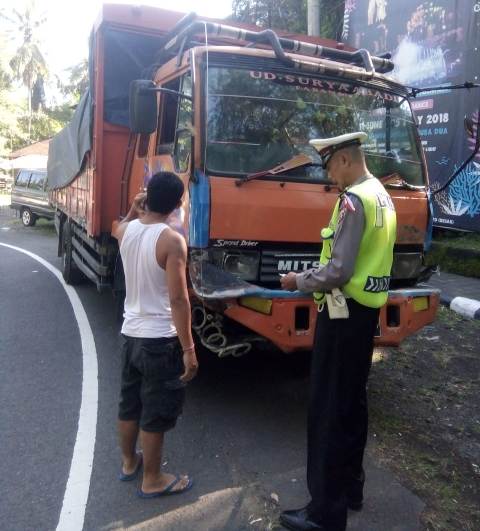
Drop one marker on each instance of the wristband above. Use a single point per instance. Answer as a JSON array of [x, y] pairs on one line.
[[189, 348]]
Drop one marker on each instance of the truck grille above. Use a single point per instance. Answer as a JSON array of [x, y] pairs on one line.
[[274, 262]]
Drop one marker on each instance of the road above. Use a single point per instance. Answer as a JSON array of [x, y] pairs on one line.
[[241, 436]]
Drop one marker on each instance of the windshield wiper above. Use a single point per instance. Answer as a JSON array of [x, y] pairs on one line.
[[295, 162], [397, 181]]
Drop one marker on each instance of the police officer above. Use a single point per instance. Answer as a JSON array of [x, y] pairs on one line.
[[356, 257]]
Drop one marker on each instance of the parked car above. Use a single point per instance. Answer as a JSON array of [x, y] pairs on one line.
[[30, 196]]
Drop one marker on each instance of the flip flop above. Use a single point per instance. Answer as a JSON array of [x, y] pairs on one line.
[[167, 491], [130, 477]]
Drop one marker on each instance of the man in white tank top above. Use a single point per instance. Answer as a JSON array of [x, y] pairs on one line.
[[158, 352]]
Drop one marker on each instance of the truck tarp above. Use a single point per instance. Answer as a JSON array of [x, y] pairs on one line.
[[127, 56], [67, 149]]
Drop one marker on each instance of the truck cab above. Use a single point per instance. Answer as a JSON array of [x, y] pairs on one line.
[[224, 116]]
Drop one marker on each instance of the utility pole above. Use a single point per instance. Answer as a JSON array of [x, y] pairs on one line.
[[313, 17]]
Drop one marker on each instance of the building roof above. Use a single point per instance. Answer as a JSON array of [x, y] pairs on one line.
[[37, 148]]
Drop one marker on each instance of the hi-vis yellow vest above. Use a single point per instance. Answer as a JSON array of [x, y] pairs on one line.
[[371, 277]]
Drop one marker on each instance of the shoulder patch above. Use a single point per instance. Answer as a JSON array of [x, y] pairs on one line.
[[347, 204]]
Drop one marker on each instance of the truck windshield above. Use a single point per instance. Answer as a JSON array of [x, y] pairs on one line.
[[258, 119]]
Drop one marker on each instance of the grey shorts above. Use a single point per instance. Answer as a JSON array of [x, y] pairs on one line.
[[151, 391]]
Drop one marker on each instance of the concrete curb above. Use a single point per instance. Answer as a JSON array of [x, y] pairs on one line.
[[466, 307]]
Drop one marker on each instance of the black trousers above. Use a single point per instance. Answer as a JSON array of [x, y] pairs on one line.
[[338, 414]]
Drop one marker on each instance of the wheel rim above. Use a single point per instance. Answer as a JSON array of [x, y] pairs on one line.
[[26, 217]]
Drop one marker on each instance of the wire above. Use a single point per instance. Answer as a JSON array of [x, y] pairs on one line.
[[467, 161], [414, 91]]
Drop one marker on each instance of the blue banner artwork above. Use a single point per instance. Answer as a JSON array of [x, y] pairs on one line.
[[433, 43]]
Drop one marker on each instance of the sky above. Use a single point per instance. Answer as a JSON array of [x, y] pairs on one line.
[[66, 30]]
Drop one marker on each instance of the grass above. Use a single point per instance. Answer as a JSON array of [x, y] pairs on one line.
[[43, 225], [425, 417], [456, 253], [462, 240]]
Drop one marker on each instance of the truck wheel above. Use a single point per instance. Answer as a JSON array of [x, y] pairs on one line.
[[71, 273], [28, 218]]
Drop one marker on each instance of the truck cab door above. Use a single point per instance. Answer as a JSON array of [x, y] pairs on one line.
[[173, 146], [170, 147]]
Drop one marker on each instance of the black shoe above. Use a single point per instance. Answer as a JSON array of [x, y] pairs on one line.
[[298, 520]]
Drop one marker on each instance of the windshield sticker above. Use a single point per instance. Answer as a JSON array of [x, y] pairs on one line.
[[311, 84], [304, 81]]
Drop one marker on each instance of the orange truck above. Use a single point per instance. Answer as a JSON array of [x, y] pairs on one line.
[[231, 110]]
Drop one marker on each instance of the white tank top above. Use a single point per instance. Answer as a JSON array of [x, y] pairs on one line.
[[147, 303]]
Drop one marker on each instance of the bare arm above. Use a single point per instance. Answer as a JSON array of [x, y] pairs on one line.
[[136, 210], [176, 263]]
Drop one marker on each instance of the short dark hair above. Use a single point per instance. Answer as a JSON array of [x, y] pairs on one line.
[[356, 153], [164, 191]]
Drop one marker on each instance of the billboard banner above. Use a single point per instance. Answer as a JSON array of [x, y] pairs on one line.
[[433, 43]]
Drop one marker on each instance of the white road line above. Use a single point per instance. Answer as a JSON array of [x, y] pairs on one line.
[[78, 484]]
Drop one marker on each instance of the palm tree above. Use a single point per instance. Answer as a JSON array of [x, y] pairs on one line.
[[78, 81], [28, 64]]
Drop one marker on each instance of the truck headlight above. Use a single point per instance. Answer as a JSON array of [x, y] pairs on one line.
[[243, 265]]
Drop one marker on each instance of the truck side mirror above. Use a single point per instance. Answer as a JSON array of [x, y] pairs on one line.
[[143, 106]]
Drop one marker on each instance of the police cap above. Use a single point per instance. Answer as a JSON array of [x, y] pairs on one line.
[[326, 147]]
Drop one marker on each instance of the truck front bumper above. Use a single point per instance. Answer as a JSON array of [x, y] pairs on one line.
[[289, 323], [288, 319]]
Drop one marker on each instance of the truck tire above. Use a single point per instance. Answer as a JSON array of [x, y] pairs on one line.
[[70, 272], [28, 217]]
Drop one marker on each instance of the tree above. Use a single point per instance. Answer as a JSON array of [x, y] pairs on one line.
[[289, 15], [26, 120], [331, 19], [77, 83], [28, 64], [42, 125], [5, 73], [10, 134], [5, 79]]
